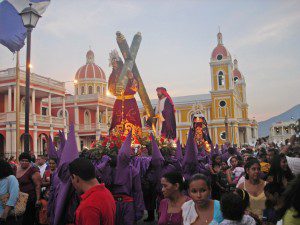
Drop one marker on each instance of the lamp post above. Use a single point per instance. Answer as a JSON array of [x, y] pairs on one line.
[[30, 18]]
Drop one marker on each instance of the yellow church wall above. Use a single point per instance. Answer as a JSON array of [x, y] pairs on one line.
[[184, 115], [215, 70]]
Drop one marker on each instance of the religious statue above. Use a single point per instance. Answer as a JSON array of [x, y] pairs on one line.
[[202, 138], [126, 114], [165, 114]]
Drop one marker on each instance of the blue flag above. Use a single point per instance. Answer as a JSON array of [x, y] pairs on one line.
[[12, 30]]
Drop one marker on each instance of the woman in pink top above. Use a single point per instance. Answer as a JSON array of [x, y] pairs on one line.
[[170, 207]]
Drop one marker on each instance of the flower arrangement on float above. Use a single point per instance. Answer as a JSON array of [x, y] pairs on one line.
[[141, 145]]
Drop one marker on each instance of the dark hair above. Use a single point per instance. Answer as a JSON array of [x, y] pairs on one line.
[[248, 164], [83, 168], [273, 188], [175, 178], [200, 176], [25, 155], [5, 169], [214, 157], [291, 198], [231, 150], [232, 206], [274, 150], [245, 197], [53, 159], [233, 157], [277, 172]]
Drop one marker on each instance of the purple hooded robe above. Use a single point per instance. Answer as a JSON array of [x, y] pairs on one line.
[[190, 164], [65, 200], [127, 182]]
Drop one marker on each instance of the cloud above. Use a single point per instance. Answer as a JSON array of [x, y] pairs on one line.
[[278, 30], [87, 17]]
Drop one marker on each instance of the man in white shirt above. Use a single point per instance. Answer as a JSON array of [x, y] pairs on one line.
[[41, 163]]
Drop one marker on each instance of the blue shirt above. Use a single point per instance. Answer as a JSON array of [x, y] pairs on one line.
[[218, 218], [9, 185]]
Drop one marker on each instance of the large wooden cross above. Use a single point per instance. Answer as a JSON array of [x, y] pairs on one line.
[[129, 55]]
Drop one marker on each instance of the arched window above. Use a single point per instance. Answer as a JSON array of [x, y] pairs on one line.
[[103, 90], [98, 89], [87, 117], [23, 105], [221, 78], [82, 90], [90, 90], [76, 90], [60, 115]]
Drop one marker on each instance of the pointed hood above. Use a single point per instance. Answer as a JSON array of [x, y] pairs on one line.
[[190, 155], [123, 162], [51, 149], [62, 139], [125, 152], [69, 153], [179, 150], [157, 157]]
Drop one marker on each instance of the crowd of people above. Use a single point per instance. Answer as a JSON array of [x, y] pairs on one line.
[[189, 186]]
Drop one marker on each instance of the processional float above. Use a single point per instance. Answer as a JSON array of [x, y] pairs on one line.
[[129, 54]]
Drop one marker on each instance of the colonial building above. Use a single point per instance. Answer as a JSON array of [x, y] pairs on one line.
[[227, 98], [51, 109], [281, 131]]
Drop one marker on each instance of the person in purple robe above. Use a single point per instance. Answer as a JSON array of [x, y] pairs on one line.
[[165, 114], [63, 199], [126, 115], [126, 187], [190, 163]]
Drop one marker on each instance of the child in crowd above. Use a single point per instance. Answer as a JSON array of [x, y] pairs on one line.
[[233, 210]]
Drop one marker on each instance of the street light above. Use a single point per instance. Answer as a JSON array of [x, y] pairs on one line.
[[30, 18]]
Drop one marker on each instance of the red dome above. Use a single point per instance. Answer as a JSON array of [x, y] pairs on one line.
[[90, 70], [220, 50], [237, 73]]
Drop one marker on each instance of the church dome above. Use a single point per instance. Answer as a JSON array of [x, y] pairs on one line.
[[236, 73], [220, 52], [90, 70]]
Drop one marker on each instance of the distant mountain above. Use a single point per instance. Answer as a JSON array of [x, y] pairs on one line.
[[264, 126]]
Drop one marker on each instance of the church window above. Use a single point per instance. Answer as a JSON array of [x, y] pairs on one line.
[[90, 90], [223, 135], [44, 111], [222, 103], [219, 57], [221, 78], [98, 89], [236, 79], [82, 90]]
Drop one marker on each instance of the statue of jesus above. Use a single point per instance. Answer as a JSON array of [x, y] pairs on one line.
[[126, 114]]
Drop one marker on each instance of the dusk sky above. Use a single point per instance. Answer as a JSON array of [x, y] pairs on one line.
[[178, 39]]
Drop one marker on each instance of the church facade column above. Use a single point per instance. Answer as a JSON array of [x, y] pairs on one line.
[[35, 142], [9, 99], [76, 111], [98, 130], [15, 98], [8, 140]]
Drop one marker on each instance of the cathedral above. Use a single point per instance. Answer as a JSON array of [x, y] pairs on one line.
[[226, 103]]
